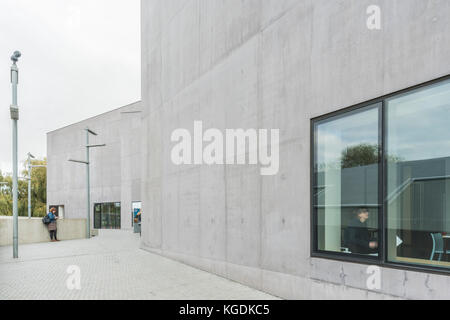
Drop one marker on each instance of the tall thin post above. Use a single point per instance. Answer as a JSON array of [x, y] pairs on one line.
[[29, 186], [14, 109], [88, 182], [88, 222]]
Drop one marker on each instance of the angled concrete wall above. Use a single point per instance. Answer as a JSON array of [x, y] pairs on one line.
[[115, 175], [271, 64]]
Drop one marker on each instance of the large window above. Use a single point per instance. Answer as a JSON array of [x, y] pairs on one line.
[[107, 215], [386, 163]]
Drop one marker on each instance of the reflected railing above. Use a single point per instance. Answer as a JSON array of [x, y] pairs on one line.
[[410, 181]]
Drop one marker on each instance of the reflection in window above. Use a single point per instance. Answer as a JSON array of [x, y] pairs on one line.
[[418, 176], [346, 196]]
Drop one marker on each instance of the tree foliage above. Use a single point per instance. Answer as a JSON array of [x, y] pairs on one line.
[[38, 191], [360, 155], [364, 155]]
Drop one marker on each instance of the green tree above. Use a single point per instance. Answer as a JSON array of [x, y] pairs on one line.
[[38, 191], [360, 155], [363, 155], [5, 195], [39, 188]]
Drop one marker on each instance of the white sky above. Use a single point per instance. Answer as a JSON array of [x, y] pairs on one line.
[[80, 58]]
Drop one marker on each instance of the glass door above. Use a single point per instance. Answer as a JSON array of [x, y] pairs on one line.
[[136, 208]]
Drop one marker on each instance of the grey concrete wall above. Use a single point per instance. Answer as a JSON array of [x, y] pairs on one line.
[[115, 175], [271, 64], [34, 231]]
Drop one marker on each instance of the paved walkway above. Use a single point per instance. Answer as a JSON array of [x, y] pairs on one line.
[[112, 267]]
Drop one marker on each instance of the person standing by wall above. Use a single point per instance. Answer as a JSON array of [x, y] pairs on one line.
[[52, 227]]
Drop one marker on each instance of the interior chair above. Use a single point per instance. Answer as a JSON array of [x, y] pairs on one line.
[[438, 246]]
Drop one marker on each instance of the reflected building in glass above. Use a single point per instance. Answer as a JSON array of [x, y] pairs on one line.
[[418, 175], [392, 161]]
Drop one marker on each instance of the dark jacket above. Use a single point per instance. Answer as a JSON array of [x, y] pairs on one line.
[[357, 237], [52, 225]]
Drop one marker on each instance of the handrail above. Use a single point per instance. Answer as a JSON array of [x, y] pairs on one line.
[[390, 198], [394, 194], [364, 205]]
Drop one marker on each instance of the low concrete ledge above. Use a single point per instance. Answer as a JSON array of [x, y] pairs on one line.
[[34, 231]]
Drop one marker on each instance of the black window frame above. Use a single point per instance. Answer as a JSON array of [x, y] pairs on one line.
[[382, 259]]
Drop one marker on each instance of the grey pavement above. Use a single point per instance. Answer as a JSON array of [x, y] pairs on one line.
[[112, 267]]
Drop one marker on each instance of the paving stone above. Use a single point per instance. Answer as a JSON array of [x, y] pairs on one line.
[[112, 267]]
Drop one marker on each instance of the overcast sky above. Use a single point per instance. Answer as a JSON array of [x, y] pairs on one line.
[[79, 58]]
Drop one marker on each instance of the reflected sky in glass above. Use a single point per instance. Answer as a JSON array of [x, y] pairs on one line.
[[419, 124], [336, 134]]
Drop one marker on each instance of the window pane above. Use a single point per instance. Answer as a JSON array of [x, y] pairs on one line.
[[346, 197], [106, 216], [117, 216], [418, 176], [97, 216]]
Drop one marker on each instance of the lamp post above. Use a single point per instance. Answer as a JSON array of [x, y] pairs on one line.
[[88, 182], [14, 109], [29, 184]]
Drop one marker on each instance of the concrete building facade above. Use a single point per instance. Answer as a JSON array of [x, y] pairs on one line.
[[290, 65], [114, 170], [272, 64]]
